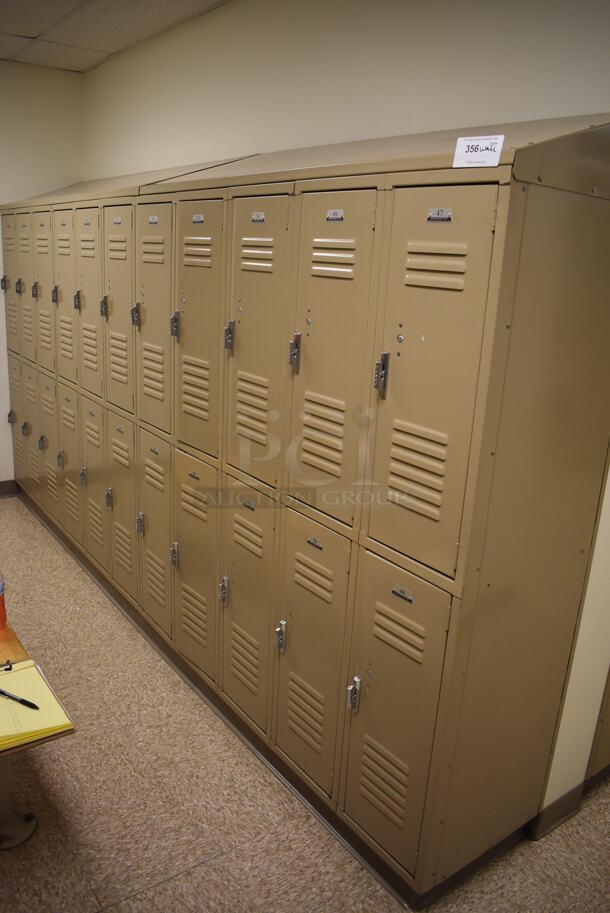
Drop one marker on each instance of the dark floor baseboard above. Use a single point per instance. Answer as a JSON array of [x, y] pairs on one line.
[[8, 488]]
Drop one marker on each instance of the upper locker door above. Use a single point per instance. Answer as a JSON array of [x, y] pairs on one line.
[[438, 274], [256, 328], [25, 280], [31, 425], [16, 416], [198, 323], [314, 576], [156, 505], [94, 464], [9, 249], [154, 294], [42, 287], [49, 431], [70, 448], [328, 419], [87, 299], [117, 303], [122, 484], [65, 277]]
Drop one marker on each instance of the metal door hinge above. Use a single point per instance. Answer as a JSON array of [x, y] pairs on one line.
[[229, 337], [3, 283], [382, 372], [294, 352], [223, 590], [104, 307], [140, 523], [83, 476], [41, 442], [25, 429], [136, 317], [12, 417], [60, 458], [108, 498], [174, 325], [35, 291], [279, 638], [353, 695], [55, 294], [173, 554], [19, 286], [77, 300]]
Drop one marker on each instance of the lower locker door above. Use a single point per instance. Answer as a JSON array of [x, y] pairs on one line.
[[94, 462], [122, 495], [155, 504], [314, 575], [49, 437], [69, 444], [29, 381], [196, 577], [397, 652], [16, 417], [249, 534]]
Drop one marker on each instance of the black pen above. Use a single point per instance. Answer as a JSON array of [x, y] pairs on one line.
[[20, 700]]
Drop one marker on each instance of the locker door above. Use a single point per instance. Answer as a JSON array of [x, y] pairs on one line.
[[122, 481], [328, 418], [16, 416], [41, 289], [436, 297], [9, 248], [258, 305], [154, 294], [25, 272], [89, 293], [49, 430], [249, 534], [31, 397], [69, 445], [65, 278], [314, 575], [397, 653], [196, 578], [94, 462], [155, 504], [198, 304], [119, 298]]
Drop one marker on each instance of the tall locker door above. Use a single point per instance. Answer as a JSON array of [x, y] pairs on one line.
[[196, 577], [154, 294], [258, 306], [16, 417], [9, 250], [336, 251], [51, 470], [94, 464], [155, 505], [249, 534], [31, 413], [64, 292], [438, 275], [70, 447], [198, 326], [122, 482], [87, 298], [117, 302], [396, 664], [25, 279], [42, 288], [314, 575]]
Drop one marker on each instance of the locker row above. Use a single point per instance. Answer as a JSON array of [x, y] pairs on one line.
[[201, 555], [325, 344]]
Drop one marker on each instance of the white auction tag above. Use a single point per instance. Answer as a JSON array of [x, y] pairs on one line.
[[477, 151]]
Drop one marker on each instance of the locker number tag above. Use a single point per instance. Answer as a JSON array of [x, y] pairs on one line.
[[198, 218], [258, 216], [439, 214], [478, 151], [335, 215], [87, 222], [117, 220], [153, 220]]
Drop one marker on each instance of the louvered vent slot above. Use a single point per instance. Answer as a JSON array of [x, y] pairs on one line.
[[257, 254], [123, 551], [436, 265], [153, 249], [333, 257], [42, 244], [12, 318], [418, 459], [48, 404], [45, 335], [30, 392], [90, 347], [68, 418], [25, 244], [119, 355], [95, 522], [92, 434], [34, 466], [384, 781], [9, 244], [248, 534], [196, 387], [27, 324], [19, 449], [72, 503], [154, 475], [155, 578], [194, 502], [245, 658], [313, 577], [66, 338], [399, 632], [323, 431], [51, 479], [87, 246], [64, 245], [117, 247], [153, 371], [120, 452], [252, 408], [194, 615], [197, 251], [306, 712]]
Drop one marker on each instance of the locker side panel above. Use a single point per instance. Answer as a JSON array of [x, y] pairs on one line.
[[52, 487], [42, 232], [25, 270], [9, 251], [70, 446], [65, 278], [155, 503], [16, 416], [89, 293], [122, 481], [119, 299], [94, 461]]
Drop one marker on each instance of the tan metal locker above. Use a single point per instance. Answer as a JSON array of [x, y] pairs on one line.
[[25, 274], [16, 417], [95, 480], [64, 294], [51, 470], [122, 503], [71, 460], [314, 581], [42, 288], [396, 664], [438, 275], [88, 297], [329, 422], [196, 567], [9, 247], [255, 336], [197, 323], [249, 532], [155, 516], [153, 311], [117, 304], [31, 415]]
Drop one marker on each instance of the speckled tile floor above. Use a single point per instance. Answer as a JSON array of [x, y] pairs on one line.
[[133, 819]]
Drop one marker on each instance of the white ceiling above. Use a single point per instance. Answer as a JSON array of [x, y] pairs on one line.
[[80, 34]]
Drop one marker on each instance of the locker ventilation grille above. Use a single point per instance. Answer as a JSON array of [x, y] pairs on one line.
[[122, 547], [48, 404], [153, 249], [333, 258], [194, 502], [68, 418], [197, 251], [9, 244], [15, 385], [12, 320], [155, 578], [87, 247], [257, 254], [42, 245], [436, 265], [51, 477], [19, 455], [313, 577], [153, 371], [90, 347], [252, 409], [323, 431], [399, 632], [119, 358], [45, 334], [92, 434], [64, 245], [95, 522], [72, 505], [117, 247], [34, 466], [196, 387], [27, 324], [244, 658], [120, 452], [306, 712], [384, 781], [25, 244], [194, 615], [154, 475], [30, 392], [417, 468], [248, 535], [66, 342]]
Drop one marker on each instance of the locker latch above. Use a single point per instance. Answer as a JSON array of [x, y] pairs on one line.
[[77, 300], [229, 337], [35, 291], [12, 417], [353, 695], [83, 476], [41, 442], [104, 307], [135, 315], [55, 294], [60, 458], [294, 352], [3, 283], [19, 286], [25, 429], [382, 371], [108, 498], [173, 554], [223, 590], [140, 523], [174, 325], [280, 637]]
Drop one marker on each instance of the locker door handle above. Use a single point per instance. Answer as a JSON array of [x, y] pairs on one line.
[[104, 307], [12, 417], [280, 637], [41, 442], [3, 283], [229, 337], [294, 352], [353, 695], [382, 373], [19, 286], [77, 300], [60, 458], [25, 429], [173, 554], [55, 294], [35, 291], [108, 498], [136, 317], [174, 325]]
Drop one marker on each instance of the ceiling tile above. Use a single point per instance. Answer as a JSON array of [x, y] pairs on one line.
[[32, 17], [63, 56], [11, 45]]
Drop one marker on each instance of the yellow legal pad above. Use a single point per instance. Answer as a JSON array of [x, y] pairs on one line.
[[20, 725]]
